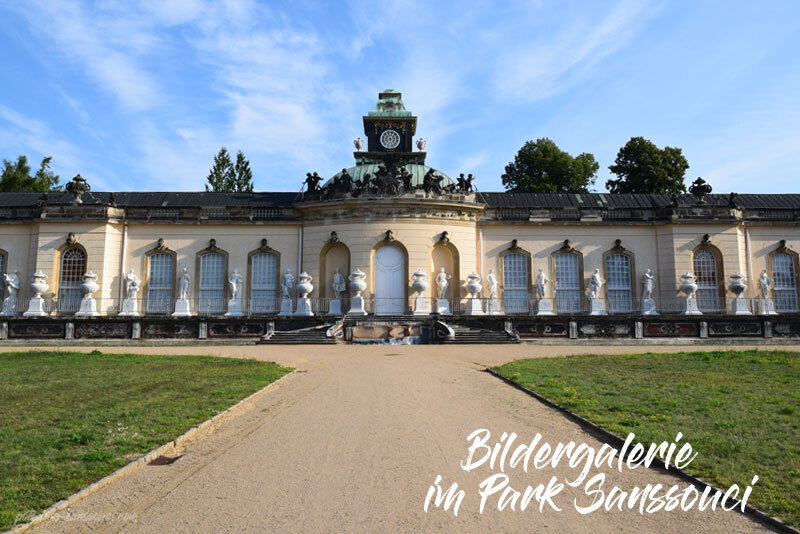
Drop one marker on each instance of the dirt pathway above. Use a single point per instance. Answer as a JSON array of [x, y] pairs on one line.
[[353, 442]]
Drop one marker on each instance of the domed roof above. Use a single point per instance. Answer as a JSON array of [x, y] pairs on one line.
[[416, 170]]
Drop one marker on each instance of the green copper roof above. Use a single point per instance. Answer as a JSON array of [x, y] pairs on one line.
[[390, 104]]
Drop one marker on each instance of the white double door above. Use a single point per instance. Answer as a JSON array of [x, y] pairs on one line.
[[390, 281]]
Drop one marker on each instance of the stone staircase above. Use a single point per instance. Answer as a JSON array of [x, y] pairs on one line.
[[316, 335], [465, 335]]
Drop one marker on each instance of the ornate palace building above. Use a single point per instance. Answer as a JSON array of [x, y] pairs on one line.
[[393, 248]]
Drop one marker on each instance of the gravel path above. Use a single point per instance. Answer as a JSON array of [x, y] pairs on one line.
[[352, 443]]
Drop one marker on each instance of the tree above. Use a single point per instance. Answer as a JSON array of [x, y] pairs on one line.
[[226, 177], [17, 177], [642, 167], [542, 167]]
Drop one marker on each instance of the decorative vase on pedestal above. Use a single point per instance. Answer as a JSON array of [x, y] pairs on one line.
[[88, 304], [304, 287], [737, 286], [689, 287], [419, 283], [358, 283], [36, 307], [473, 287]]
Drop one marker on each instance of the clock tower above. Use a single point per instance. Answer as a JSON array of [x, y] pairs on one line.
[[390, 129]]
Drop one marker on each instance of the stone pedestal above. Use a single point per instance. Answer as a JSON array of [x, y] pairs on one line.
[[544, 307], [422, 306], [649, 307], [9, 306], [130, 307], [304, 307], [492, 307], [767, 307], [443, 307], [739, 307], [335, 307], [474, 307], [690, 307], [36, 308], [234, 308], [597, 307], [183, 308], [88, 308], [286, 306], [357, 306]]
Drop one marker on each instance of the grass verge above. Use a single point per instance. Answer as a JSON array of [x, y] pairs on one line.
[[740, 410], [69, 419]]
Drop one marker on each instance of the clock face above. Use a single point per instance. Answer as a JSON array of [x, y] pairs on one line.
[[390, 139]]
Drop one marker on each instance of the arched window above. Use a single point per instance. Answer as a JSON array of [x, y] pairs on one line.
[[706, 269], [73, 267], [263, 276], [783, 263], [211, 283], [515, 283], [618, 264], [160, 279], [567, 282]]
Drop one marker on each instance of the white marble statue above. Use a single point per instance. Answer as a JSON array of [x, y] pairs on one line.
[[541, 285], [287, 284], [764, 283], [339, 284], [595, 284], [184, 285], [649, 283], [235, 281], [11, 301], [132, 285], [491, 281], [442, 283]]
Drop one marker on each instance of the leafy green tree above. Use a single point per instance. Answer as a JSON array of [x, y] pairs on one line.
[[542, 167], [642, 167], [17, 177], [225, 177]]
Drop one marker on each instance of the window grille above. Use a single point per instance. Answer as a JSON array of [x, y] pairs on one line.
[[160, 213], [266, 213], [73, 267], [784, 291], [705, 269], [568, 283], [515, 283], [212, 284], [262, 285], [618, 272], [159, 283]]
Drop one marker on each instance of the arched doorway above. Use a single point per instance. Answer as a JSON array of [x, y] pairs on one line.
[[390, 281]]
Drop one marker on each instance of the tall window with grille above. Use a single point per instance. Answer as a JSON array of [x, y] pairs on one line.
[[73, 267], [515, 283], [263, 274], [784, 292], [619, 286], [705, 269], [568, 283], [211, 297], [159, 283], [3, 262]]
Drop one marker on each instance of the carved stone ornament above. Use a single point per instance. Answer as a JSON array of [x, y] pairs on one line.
[[264, 247], [212, 245], [782, 248], [334, 238], [706, 240], [514, 247], [72, 239], [389, 236], [444, 239], [618, 248], [567, 246], [77, 187], [700, 189], [160, 246]]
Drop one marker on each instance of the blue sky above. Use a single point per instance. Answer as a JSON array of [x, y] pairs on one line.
[[141, 95]]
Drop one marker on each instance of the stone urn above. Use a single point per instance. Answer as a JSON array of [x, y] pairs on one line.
[[473, 284], [688, 284], [304, 286], [358, 282], [419, 282], [738, 284], [39, 284], [89, 284]]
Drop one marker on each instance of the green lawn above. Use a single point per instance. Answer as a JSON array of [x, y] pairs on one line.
[[68, 419], [739, 409]]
